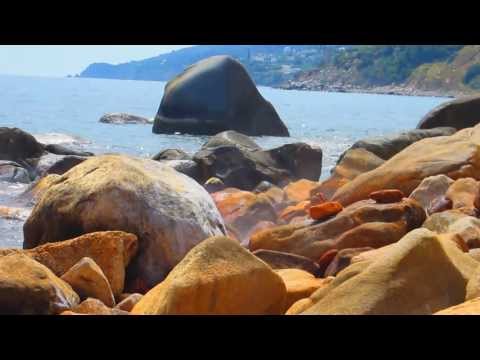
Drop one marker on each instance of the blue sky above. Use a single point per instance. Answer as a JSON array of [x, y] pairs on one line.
[[62, 60]]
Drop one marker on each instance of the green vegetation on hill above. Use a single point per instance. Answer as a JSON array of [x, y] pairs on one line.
[[385, 65]]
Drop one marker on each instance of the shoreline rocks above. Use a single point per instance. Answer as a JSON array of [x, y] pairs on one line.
[[123, 119]]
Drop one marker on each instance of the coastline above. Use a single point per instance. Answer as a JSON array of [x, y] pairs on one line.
[[381, 90]]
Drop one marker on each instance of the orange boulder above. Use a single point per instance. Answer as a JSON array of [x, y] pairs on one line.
[[325, 210]]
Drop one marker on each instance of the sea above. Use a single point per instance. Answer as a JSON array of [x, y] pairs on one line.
[[67, 111]]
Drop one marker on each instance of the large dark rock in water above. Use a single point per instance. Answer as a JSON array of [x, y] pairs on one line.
[[172, 154], [245, 165], [387, 146], [214, 95], [461, 113], [18, 146]]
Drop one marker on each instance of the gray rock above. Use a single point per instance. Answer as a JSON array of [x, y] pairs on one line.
[[172, 154], [21, 147], [387, 146], [460, 113], [244, 167], [57, 164], [123, 118], [12, 172], [214, 95], [62, 150]]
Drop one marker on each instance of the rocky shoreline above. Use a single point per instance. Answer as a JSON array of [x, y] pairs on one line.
[[236, 229], [312, 85]]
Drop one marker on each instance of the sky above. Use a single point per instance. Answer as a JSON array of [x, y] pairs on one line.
[[63, 60]]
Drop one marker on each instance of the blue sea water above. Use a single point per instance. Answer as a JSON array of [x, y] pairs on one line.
[[67, 110]]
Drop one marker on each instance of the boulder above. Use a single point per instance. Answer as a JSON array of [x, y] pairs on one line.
[[20, 147], [420, 274], [88, 280], [459, 113], [28, 287], [186, 167], [470, 307], [300, 190], [214, 184], [432, 188], [280, 260], [58, 149], [112, 251], [463, 193], [456, 156], [232, 138], [473, 286], [123, 119], [386, 146], [359, 225], [214, 95], [353, 163], [129, 302], [93, 306], [57, 164], [12, 172], [299, 284], [242, 210], [172, 154], [243, 168], [343, 259], [217, 277], [169, 212]]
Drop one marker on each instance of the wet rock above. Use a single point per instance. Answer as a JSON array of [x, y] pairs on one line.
[[12, 172], [389, 284], [57, 164], [88, 280], [281, 260], [58, 149], [123, 119], [214, 95], [28, 287], [168, 211], [186, 167], [20, 147], [359, 225], [217, 276], [459, 113], [456, 156], [232, 138], [172, 154]]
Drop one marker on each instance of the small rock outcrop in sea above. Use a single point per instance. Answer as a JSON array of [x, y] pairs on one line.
[[244, 165], [214, 95], [123, 118], [218, 276], [387, 146], [460, 113], [455, 156], [168, 211], [12, 172]]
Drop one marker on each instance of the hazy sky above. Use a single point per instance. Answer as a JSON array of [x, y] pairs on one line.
[[62, 60]]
